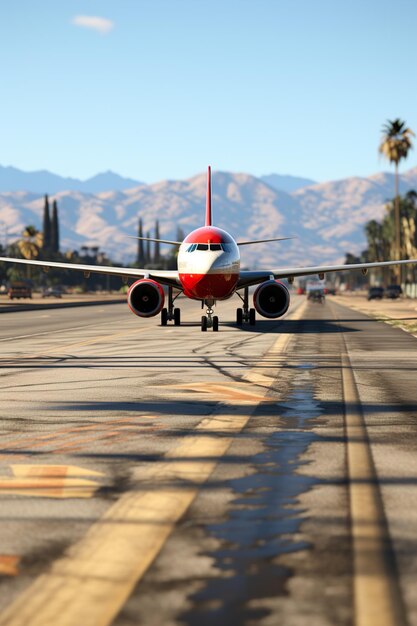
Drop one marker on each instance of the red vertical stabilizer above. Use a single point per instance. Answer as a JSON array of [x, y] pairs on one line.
[[208, 198]]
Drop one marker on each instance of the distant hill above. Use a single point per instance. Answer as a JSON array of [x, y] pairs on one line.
[[327, 218], [287, 183], [42, 181]]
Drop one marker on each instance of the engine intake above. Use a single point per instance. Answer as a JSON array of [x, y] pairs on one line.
[[271, 299], [146, 298]]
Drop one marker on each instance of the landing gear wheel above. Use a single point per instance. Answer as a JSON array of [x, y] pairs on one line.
[[177, 317], [164, 317], [239, 317], [215, 323], [204, 323], [252, 317]]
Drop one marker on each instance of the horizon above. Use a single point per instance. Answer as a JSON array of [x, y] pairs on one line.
[[140, 180]]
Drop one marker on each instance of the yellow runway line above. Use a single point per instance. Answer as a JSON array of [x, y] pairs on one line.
[[90, 584], [377, 596]]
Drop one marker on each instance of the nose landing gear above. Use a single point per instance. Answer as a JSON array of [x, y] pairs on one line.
[[209, 320], [171, 313]]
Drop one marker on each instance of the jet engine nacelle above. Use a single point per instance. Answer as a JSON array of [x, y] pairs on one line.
[[146, 298], [271, 299]]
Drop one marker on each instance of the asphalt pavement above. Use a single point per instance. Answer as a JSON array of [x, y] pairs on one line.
[[164, 476]]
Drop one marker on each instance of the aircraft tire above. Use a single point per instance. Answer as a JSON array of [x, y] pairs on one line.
[[239, 317], [252, 317], [215, 324], [204, 323], [177, 317], [164, 317]]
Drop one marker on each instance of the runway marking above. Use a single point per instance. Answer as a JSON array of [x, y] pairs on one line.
[[377, 596], [67, 437], [9, 564], [236, 391], [91, 583], [50, 481]]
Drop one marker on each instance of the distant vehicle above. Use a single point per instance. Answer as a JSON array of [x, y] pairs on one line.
[[52, 292], [393, 291], [331, 291], [19, 289], [315, 290], [375, 293], [316, 295]]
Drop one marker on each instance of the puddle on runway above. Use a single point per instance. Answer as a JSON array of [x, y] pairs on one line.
[[263, 520]]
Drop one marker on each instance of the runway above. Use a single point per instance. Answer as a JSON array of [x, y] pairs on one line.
[[155, 476]]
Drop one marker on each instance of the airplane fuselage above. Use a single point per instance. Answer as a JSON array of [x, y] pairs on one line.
[[209, 264]]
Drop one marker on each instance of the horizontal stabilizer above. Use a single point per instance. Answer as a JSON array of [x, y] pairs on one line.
[[248, 243]]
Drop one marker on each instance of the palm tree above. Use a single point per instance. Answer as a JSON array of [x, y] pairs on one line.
[[30, 244], [395, 144]]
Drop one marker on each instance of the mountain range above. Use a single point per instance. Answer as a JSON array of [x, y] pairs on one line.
[[42, 181], [327, 219], [287, 183]]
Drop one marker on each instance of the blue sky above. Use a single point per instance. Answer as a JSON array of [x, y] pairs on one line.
[[166, 87]]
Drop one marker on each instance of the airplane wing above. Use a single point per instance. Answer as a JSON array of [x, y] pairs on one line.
[[252, 241], [247, 278], [165, 277]]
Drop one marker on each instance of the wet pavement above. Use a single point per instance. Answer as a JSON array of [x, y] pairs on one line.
[[264, 517]]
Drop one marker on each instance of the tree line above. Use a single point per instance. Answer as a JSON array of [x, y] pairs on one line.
[[395, 236], [148, 253], [45, 244], [382, 243]]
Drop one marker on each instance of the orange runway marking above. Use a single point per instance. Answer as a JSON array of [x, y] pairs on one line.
[[68, 437], [50, 481], [9, 564], [222, 392]]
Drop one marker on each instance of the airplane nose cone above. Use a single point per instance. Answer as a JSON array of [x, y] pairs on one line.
[[210, 262], [217, 261]]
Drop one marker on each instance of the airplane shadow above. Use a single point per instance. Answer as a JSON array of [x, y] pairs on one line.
[[283, 326]]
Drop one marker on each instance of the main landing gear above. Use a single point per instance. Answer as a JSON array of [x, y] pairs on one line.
[[245, 314], [209, 320], [171, 314]]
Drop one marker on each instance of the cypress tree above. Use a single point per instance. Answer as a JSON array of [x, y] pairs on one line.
[[148, 249], [46, 245], [55, 229], [140, 259], [172, 259], [157, 251]]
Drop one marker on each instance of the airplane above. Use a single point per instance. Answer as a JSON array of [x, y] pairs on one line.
[[208, 271]]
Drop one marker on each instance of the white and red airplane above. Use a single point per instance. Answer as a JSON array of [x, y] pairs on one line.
[[208, 271]]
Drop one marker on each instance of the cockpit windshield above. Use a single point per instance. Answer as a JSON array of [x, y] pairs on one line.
[[208, 246]]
